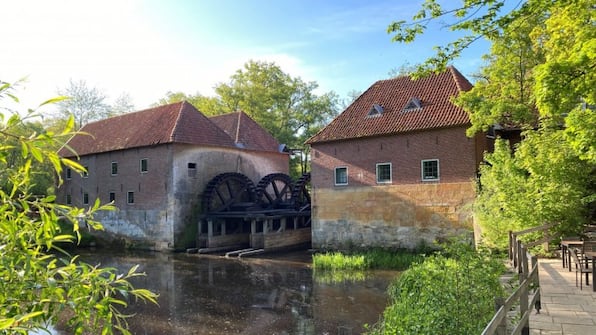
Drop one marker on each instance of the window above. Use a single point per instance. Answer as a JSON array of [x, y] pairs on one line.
[[375, 110], [114, 168], [68, 173], [130, 198], [341, 175], [413, 104], [144, 167], [383, 173], [112, 196], [68, 199], [85, 198], [430, 169], [86, 172], [192, 169]]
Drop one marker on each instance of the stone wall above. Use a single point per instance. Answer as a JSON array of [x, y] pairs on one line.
[[391, 216]]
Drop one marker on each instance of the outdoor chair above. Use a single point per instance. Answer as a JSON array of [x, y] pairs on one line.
[[580, 268]]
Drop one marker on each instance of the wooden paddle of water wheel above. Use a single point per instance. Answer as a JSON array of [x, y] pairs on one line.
[[274, 214]]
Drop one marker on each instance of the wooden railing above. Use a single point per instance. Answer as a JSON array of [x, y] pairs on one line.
[[527, 293]]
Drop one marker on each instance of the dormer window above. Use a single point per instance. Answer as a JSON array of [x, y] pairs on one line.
[[375, 110], [413, 104]]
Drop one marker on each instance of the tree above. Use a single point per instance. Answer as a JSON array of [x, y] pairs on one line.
[[40, 283], [122, 105], [85, 103], [209, 106], [286, 106], [540, 78], [405, 69]]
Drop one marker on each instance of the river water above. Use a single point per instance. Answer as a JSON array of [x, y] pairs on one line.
[[279, 294]]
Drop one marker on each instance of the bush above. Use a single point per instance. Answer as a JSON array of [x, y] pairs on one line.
[[452, 292], [39, 282]]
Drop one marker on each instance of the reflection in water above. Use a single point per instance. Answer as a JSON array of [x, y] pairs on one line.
[[215, 295]]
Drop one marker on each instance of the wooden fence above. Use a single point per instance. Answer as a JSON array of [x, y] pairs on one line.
[[517, 305]]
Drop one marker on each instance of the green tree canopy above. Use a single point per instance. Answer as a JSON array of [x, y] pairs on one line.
[[540, 78]]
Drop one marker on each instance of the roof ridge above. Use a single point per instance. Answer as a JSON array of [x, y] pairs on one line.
[[177, 121]]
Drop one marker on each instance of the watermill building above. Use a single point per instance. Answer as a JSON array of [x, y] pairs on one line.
[[155, 165], [396, 169]]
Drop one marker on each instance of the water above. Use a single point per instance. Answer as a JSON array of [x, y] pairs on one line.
[[275, 295]]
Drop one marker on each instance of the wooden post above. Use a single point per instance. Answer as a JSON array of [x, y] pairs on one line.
[[536, 285], [502, 328], [525, 283], [511, 247], [519, 257]]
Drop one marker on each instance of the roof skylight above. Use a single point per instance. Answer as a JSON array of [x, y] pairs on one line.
[[413, 104], [375, 110]]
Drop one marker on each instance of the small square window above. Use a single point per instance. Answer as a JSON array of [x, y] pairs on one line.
[[114, 168], [430, 169], [68, 173], [341, 175], [192, 170], [384, 173], [130, 198], [85, 198], [112, 196], [68, 199], [144, 166]]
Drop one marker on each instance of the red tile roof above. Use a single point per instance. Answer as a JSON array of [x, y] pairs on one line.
[[434, 92], [245, 132], [174, 123]]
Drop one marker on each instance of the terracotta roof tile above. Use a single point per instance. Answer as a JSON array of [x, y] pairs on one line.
[[245, 132], [434, 92], [174, 123]]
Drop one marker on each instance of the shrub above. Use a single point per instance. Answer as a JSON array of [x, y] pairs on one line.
[[452, 292]]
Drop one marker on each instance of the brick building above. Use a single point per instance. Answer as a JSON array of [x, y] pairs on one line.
[[396, 169], [154, 164]]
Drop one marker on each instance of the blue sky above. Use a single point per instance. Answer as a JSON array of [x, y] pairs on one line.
[[146, 48]]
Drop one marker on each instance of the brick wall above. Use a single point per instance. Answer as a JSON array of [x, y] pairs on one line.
[[167, 197], [457, 155], [407, 210]]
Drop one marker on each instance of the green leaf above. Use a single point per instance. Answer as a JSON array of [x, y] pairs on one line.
[[54, 100], [6, 323]]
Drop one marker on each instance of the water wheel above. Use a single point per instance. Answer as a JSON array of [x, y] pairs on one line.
[[275, 191], [301, 193], [228, 191]]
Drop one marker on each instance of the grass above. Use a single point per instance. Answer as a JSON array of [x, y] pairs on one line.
[[371, 259]]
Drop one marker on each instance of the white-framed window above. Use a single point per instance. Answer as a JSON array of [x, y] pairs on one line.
[[114, 168], [341, 175], [430, 169], [68, 173], [384, 173], [144, 165], [85, 198], [130, 198]]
